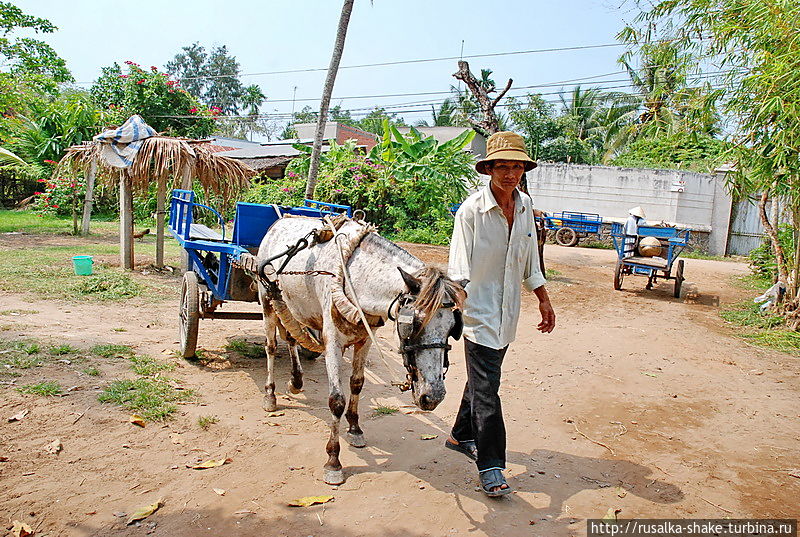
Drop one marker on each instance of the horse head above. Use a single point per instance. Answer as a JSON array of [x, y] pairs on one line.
[[427, 315]]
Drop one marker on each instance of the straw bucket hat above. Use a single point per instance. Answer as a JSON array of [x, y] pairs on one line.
[[505, 146], [637, 211]]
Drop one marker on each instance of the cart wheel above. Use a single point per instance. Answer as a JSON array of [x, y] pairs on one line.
[[189, 314], [566, 236], [678, 279], [618, 275]]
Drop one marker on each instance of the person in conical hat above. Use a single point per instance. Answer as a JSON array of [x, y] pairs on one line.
[[494, 252], [635, 219]]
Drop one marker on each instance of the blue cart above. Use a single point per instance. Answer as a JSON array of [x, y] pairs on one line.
[[673, 242], [217, 266], [570, 226]]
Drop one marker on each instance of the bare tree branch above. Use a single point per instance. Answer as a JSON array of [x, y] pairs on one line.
[[489, 125]]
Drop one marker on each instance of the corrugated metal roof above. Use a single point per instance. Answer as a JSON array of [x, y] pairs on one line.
[[264, 163], [262, 151]]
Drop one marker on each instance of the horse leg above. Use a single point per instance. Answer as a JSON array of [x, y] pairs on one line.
[[333, 474], [271, 347], [355, 436], [295, 385]]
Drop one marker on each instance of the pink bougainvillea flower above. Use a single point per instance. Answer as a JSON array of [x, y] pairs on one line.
[[128, 62], [140, 81], [40, 181], [48, 161], [153, 68], [192, 110], [123, 76]]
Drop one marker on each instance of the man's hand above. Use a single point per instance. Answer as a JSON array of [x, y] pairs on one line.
[[546, 309], [548, 317]]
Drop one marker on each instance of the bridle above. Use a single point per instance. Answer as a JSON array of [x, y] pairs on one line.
[[408, 326]]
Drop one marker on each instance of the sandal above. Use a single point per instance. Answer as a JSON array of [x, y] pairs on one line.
[[491, 479], [467, 447]]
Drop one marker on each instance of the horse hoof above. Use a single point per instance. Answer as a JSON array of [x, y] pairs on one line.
[[356, 440], [292, 389], [270, 404], [334, 477]]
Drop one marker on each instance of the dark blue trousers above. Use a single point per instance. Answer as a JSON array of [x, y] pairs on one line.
[[480, 417]]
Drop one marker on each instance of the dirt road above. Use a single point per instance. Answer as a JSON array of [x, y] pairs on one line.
[[638, 402]]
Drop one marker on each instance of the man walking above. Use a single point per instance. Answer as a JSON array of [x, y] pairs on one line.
[[494, 248]]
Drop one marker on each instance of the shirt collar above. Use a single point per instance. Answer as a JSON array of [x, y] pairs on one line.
[[488, 202]]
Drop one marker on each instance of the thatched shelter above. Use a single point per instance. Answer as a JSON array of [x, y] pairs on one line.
[[171, 162]]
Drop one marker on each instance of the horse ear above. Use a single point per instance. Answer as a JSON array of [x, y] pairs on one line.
[[463, 283], [412, 283]]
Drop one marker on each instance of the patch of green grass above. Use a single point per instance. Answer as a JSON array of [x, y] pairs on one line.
[[755, 282], [204, 422], [107, 286], [147, 366], [152, 399], [18, 312], [47, 272], [551, 273], [747, 314], [61, 350], [600, 245], [767, 330], [382, 410], [697, 254], [45, 389], [28, 222], [246, 349], [91, 371], [19, 354], [110, 350]]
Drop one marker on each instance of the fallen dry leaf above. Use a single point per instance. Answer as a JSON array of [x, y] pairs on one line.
[[144, 512], [55, 447], [308, 501], [136, 419], [20, 529], [18, 416], [428, 436], [211, 463], [275, 414], [621, 492], [221, 492]]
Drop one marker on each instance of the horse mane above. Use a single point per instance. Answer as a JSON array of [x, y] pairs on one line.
[[437, 289]]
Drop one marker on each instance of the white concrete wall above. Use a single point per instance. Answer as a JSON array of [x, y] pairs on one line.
[[687, 199], [611, 191]]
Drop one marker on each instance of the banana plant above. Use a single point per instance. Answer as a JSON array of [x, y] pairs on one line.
[[8, 158]]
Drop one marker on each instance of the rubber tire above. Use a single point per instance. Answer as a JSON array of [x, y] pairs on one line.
[[678, 279], [566, 236], [189, 315], [618, 276]]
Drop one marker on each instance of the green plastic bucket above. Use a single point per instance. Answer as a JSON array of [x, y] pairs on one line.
[[82, 264]]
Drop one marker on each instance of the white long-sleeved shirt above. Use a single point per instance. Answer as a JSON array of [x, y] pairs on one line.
[[496, 263]]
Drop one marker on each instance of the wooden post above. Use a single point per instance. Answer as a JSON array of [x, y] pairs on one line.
[[160, 198], [186, 177], [125, 223], [88, 198], [186, 184]]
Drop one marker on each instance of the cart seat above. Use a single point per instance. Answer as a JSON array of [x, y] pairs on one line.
[[654, 262], [204, 233]]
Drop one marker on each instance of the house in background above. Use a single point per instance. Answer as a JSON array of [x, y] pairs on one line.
[[270, 159], [444, 134]]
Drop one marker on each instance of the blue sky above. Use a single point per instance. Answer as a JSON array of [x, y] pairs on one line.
[[279, 35]]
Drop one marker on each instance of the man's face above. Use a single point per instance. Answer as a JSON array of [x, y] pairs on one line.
[[506, 174]]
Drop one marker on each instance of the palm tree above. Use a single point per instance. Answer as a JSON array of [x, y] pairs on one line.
[[252, 98], [8, 158], [327, 91]]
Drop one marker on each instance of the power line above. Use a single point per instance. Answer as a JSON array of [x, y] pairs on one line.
[[417, 60]]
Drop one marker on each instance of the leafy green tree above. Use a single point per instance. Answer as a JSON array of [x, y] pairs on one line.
[[25, 55], [682, 150], [161, 102], [756, 41], [213, 78]]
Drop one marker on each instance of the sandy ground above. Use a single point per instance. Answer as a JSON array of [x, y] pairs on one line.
[[638, 402]]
